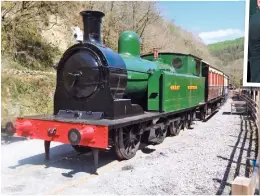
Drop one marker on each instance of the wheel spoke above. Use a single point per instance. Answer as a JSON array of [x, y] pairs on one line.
[[127, 142], [127, 149]]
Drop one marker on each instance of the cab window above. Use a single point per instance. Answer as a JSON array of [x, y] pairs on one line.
[[177, 63], [197, 68]]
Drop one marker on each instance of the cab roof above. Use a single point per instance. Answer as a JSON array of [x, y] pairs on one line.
[[186, 54], [175, 53]]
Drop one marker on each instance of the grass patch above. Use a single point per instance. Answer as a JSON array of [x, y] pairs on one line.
[[24, 95]]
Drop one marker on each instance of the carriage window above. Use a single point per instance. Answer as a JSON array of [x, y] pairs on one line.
[[197, 68], [177, 63]]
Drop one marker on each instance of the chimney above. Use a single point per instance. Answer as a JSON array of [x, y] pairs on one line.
[[92, 26], [155, 53]]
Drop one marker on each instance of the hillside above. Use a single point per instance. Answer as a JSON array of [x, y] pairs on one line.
[[35, 34], [231, 53]]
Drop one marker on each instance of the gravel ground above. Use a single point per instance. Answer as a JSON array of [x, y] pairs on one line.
[[202, 160]]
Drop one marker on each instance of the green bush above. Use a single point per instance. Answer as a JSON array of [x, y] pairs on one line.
[[32, 95], [26, 46], [22, 26]]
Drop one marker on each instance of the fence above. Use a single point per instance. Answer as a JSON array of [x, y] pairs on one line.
[[243, 185]]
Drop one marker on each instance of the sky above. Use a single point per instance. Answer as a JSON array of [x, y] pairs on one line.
[[212, 21]]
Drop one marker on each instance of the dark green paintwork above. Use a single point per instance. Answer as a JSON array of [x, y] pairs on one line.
[[175, 99], [188, 62], [145, 73], [138, 69], [183, 97], [129, 43], [137, 73]]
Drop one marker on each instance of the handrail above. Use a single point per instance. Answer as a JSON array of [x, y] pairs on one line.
[[243, 185]]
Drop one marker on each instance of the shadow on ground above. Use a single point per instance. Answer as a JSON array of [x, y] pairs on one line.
[[246, 133], [75, 162]]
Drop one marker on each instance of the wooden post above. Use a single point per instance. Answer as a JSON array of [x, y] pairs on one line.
[[241, 186], [258, 98]]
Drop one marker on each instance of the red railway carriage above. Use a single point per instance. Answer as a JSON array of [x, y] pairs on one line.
[[214, 82]]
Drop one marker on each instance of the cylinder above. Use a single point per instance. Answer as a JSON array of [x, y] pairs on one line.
[[92, 26]]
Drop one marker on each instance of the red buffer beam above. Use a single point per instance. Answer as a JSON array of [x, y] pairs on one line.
[[64, 132]]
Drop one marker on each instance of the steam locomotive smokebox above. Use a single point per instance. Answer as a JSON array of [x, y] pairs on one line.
[[92, 77]]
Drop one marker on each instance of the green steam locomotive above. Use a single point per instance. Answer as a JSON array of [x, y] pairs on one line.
[[104, 98]]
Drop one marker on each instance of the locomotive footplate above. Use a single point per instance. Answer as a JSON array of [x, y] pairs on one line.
[[109, 123]]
